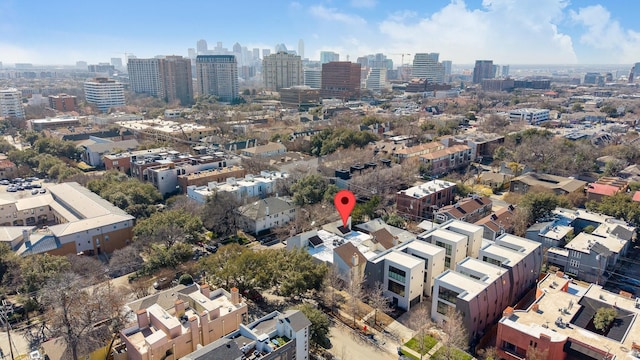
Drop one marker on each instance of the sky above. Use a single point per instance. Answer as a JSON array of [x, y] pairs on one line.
[[506, 31]]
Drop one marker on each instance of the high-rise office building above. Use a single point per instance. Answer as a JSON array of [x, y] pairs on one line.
[[116, 62], [313, 78], [0, 65], [328, 56], [11, 103], [426, 66], [636, 70], [168, 78], [281, 48], [191, 53], [282, 70], [447, 69], [266, 52], [217, 75], [376, 79], [104, 93], [340, 80], [301, 48], [201, 47], [256, 54], [505, 71], [483, 70]]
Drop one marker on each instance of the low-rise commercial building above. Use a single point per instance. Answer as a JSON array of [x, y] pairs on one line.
[[531, 116]]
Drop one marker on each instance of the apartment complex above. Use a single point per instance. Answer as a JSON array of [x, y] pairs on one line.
[[481, 288], [251, 186], [157, 129], [177, 321], [11, 103], [104, 93], [340, 80], [275, 336], [217, 75], [63, 102], [559, 324], [420, 201], [282, 70], [78, 221], [168, 78], [426, 66]]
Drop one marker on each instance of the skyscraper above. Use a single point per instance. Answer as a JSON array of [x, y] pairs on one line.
[[301, 49], [201, 47], [217, 75], [426, 66], [11, 103], [376, 79], [116, 62], [313, 78], [340, 80], [104, 93], [447, 70], [505, 71], [168, 78], [483, 70], [328, 56], [281, 48], [282, 70], [265, 53], [636, 70]]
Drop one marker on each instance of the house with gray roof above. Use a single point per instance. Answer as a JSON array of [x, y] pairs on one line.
[[92, 153], [260, 216]]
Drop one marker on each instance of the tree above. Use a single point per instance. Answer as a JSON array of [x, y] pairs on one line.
[[309, 189], [170, 226], [604, 317], [455, 336], [219, 214], [125, 260], [378, 301], [490, 353], [37, 269], [135, 197], [540, 204], [80, 316], [535, 353], [420, 322], [394, 219], [185, 279], [355, 292], [319, 324], [576, 107], [330, 286]]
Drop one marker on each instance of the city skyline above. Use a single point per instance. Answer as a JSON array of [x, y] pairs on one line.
[[506, 31]]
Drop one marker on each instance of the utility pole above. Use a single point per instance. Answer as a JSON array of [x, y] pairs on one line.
[[5, 318]]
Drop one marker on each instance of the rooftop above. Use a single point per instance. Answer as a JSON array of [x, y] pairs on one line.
[[561, 302], [466, 285], [324, 251], [427, 188]]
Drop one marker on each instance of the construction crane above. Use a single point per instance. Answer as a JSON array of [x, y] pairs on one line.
[[402, 64]]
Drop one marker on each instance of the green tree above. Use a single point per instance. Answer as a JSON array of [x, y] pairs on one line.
[[220, 215], [620, 206], [133, 196], [309, 189], [540, 204], [185, 279], [604, 317], [576, 107], [320, 324], [37, 269], [394, 219], [170, 226]]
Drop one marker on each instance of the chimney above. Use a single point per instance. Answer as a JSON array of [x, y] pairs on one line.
[[205, 290], [143, 318], [395, 240], [179, 307], [354, 259], [25, 235], [235, 296], [507, 312], [266, 211]]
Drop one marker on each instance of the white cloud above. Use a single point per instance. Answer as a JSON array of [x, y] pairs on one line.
[[507, 31], [606, 34], [332, 14], [363, 3]]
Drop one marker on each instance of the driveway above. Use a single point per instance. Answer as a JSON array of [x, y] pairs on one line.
[[347, 345]]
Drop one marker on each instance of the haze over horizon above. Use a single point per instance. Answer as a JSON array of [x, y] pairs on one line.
[[516, 32]]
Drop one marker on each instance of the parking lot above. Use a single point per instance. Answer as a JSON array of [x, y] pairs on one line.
[[19, 188]]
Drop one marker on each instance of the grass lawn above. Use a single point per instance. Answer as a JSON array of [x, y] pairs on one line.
[[414, 344], [457, 354]]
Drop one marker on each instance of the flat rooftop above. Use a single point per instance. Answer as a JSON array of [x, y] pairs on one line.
[[422, 246], [468, 286], [330, 241], [428, 188], [477, 267], [505, 255], [556, 303], [403, 259]]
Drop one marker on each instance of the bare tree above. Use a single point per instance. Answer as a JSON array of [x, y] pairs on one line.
[[355, 292], [490, 353], [535, 353], [378, 300], [331, 285], [455, 337], [125, 260], [81, 316], [220, 215], [420, 322]]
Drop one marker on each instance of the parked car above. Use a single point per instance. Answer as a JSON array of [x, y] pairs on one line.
[[42, 191], [34, 192], [4, 182], [162, 283]]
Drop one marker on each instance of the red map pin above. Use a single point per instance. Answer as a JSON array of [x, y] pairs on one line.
[[344, 202]]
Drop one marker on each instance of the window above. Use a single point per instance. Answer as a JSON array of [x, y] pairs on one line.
[[442, 308], [574, 263], [448, 247], [447, 262], [397, 274], [491, 260], [395, 288], [448, 294]]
